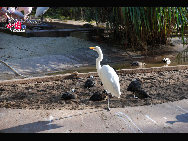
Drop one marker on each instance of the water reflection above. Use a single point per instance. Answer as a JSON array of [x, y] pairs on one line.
[[182, 57]]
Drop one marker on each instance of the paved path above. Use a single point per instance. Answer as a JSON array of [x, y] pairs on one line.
[[169, 117]]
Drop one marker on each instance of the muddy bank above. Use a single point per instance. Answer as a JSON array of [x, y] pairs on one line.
[[45, 93]]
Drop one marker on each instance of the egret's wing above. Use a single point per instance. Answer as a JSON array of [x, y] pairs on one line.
[[110, 80]]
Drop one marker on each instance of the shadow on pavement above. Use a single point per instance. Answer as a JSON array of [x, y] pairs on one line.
[[31, 127], [180, 118]]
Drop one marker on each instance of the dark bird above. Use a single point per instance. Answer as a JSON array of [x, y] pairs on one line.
[[68, 96], [89, 82], [136, 87], [137, 63], [141, 94], [97, 96]]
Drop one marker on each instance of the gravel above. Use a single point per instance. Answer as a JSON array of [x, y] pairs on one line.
[[161, 86]]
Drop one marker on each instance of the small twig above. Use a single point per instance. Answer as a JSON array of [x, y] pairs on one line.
[[12, 69]]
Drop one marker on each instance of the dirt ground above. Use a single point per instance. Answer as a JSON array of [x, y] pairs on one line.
[[161, 86]]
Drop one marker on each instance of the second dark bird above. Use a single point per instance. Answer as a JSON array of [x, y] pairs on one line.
[[68, 96], [136, 87], [97, 96]]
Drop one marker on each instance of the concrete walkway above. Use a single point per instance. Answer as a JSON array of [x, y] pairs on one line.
[[169, 117]]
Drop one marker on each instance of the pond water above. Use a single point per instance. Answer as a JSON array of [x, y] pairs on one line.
[[180, 59]]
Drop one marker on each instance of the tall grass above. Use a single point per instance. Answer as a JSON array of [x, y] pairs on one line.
[[139, 26], [134, 26]]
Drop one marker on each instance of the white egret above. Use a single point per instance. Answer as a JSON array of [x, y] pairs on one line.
[[40, 11], [108, 76]]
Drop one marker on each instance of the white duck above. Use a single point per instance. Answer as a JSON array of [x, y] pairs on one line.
[[167, 61]]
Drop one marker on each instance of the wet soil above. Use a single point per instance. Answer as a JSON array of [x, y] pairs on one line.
[[161, 86]]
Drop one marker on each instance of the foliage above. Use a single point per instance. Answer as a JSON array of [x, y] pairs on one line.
[[131, 26], [139, 26]]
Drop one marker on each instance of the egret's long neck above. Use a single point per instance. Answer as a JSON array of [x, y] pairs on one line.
[[99, 59]]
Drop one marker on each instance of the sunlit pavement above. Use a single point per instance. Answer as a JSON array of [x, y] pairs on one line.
[[169, 117]]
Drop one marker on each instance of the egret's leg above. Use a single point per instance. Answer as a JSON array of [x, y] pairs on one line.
[[105, 91], [108, 102]]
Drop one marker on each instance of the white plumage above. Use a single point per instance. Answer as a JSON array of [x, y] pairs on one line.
[[110, 80], [166, 60], [40, 11], [107, 75]]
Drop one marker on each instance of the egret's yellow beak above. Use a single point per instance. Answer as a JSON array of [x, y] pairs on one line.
[[92, 47]]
